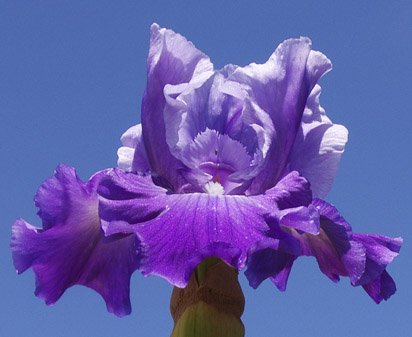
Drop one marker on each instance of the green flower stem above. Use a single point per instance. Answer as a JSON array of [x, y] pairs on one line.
[[211, 305]]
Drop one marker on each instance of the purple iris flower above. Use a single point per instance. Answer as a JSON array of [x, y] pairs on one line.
[[228, 163]]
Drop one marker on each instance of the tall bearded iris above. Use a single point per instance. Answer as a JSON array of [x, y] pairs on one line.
[[229, 163]]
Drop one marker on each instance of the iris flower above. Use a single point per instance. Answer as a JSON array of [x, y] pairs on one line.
[[231, 163]]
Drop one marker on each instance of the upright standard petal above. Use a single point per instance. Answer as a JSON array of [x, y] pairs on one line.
[[319, 143], [178, 231], [172, 60], [132, 155], [281, 87], [218, 109], [71, 247], [219, 104], [318, 146]]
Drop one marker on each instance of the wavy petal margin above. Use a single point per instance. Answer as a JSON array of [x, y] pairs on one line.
[[361, 257], [178, 231], [71, 247]]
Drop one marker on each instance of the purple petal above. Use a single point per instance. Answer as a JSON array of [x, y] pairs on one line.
[[118, 193], [272, 257], [177, 231], [269, 262], [381, 288], [71, 248], [292, 194], [281, 278], [337, 254], [56, 192], [304, 219], [281, 87], [331, 245], [380, 251], [362, 257], [172, 60], [291, 191], [187, 228]]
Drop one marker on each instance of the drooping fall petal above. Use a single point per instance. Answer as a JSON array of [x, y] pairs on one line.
[[178, 231], [71, 247]]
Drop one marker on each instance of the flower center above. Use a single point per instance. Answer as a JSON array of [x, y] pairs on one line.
[[218, 164], [214, 188], [219, 171]]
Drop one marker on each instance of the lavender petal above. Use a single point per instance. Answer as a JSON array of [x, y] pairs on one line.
[[318, 146], [132, 154], [172, 60], [281, 87]]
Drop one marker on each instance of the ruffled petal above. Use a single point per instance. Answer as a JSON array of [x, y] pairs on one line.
[[132, 155], [292, 191], [304, 219], [210, 146], [191, 109], [361, 257], [129, 196], [318, 147], [216, 157], [381, 288], [281, 87], [272, 257], [220, 104], [187, 229], [336, 253], [172, 60], [178, 231], [71, 247], [380, 251]]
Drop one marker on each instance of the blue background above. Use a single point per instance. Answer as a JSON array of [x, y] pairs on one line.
[[72, 74]]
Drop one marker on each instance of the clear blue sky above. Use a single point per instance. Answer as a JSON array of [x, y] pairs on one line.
[[72, 74]]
